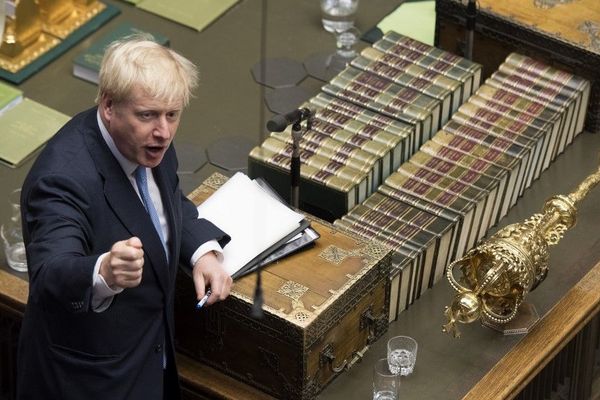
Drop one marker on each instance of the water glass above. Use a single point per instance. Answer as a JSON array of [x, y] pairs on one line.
[[402, 354], [385, 383], [14, 248], [338, 15], [12, 235]]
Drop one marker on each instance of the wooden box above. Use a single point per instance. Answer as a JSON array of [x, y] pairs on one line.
[[323, 307], [561, 33]]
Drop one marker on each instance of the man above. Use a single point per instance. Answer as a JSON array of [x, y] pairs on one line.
[[105, 226]]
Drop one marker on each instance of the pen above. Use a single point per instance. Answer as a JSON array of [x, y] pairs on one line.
[[203, 300]]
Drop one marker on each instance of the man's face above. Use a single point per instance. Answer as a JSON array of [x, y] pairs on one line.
[[142, 128]]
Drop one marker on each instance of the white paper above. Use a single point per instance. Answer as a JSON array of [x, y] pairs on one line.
[[254, 219]]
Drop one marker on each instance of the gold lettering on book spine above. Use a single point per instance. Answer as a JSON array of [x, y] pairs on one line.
[[493, 278]]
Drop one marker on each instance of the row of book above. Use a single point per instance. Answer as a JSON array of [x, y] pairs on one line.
[[368, 120], [443, 200]]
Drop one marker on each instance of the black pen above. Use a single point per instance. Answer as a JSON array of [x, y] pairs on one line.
[[203, 300]]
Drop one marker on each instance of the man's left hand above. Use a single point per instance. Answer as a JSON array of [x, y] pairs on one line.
[[209, 272]]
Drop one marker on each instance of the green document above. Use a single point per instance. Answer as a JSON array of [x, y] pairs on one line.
[[25, 128], [415, 19], [196, 14], [86, 65], [9, 96]]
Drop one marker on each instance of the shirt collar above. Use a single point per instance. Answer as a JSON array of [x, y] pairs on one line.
[[127, 166]]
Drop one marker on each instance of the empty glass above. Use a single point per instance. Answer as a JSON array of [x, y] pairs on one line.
[[402, 354], [12, 235], [338, 15], [385, 383], [345, 51]]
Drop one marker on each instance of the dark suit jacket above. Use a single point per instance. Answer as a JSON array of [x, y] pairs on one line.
[[76, 203]]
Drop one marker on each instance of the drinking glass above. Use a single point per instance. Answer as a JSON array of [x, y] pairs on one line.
[[385, 383], [345, 51], [338, 15], [12, 235], [402, 354]]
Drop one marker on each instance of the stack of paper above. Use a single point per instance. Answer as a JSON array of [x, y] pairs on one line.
[[258, 223]]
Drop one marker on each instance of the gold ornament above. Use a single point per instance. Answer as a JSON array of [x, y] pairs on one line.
[[495, 276]]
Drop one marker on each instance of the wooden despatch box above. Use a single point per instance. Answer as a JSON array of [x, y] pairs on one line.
[[322, 309], [564, 34]]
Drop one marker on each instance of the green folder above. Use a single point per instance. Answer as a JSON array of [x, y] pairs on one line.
[[9, 96], [25, 128], [196, 14], [413, 18]]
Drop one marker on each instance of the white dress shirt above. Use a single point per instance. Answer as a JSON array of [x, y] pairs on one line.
[[102, 294]]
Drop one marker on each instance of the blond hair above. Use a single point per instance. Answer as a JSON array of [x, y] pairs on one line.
[[139, 61]]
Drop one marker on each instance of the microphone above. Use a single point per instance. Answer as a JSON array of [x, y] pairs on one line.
[[279, 122]]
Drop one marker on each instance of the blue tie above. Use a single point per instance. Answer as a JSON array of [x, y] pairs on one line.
[[142, 183]]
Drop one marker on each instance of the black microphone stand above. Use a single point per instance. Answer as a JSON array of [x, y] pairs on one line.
[[471, 17], [297, 132]]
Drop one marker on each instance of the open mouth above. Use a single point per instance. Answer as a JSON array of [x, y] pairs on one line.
[[155, 150]]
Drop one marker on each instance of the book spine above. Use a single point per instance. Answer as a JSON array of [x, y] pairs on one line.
[[531, 87], [483, 138], [310, 157], [425, 61], [370, 233], [427, 191], [403, 99], [408, 67], [524, 65], [462, 173], [383, 70], [432, 51], [502, 110], [459, 180], [420, 203], [471, 147], [344, 152], [386, 205], [363, 115], [369, 98], [483, 119], [367, 137], [308, 172], [514, 164], [535, 108], [377, 221], [476, 164]]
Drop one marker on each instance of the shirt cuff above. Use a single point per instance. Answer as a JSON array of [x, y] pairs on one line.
[[211, 245], [102, 294]]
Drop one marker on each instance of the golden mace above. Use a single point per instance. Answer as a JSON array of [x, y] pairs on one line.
[[494, 277]]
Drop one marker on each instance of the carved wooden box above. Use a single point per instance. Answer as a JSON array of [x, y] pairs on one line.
[[562, 33], [322, 309]]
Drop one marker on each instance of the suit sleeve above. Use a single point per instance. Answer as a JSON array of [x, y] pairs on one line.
[[196, 231], [57, 235]]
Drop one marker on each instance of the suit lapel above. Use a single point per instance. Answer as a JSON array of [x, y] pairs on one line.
[[126, 204]]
